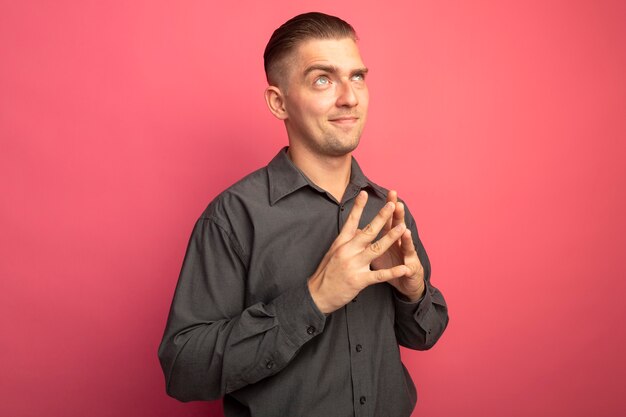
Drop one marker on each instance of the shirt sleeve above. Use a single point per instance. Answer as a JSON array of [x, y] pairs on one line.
[[420, 324], [213, 343]]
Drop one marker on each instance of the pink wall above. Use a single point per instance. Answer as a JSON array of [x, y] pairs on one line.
[[503, 124]]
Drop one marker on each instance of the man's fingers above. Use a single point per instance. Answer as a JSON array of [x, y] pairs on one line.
[[384, 275], [369, 232], [398, 215], [352, 222], [376, 249], [408, 248], [392, 197], [411, 259], [410, 254]]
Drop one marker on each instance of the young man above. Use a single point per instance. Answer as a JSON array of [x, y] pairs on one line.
[[289, 303]]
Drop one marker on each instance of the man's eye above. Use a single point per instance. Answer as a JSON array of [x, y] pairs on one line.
[[358, 77], [321, 81]]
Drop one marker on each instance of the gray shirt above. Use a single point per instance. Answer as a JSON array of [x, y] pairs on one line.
[[243, 325]]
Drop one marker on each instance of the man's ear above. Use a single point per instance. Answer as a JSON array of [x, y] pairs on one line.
[[275, 101]]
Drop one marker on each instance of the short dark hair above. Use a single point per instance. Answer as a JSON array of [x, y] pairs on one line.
[[306, 26]]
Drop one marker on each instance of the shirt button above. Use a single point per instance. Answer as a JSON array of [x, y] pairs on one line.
[[354, 300], [342, 208], [310, 330], [358, 348], [362, 400], [269, 364]]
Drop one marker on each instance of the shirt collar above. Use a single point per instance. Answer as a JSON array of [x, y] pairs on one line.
[[285, 177]]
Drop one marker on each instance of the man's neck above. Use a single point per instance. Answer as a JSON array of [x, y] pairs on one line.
[[332, 174]]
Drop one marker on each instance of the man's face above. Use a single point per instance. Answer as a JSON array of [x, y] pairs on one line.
[[325, 96]]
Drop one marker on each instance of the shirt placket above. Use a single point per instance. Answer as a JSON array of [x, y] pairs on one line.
[[357, 345]]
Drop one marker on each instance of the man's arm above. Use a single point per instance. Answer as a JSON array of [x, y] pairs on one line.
[[213, 344], [420, 324], [421, 311]]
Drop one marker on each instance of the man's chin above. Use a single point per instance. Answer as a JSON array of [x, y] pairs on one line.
[[338, 148]]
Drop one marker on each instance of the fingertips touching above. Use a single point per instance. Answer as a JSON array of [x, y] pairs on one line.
[[400, 271], [361, 198], [407, 242], [398, 213], [383, 275], [400, 229], [392, 196], [383, 216]]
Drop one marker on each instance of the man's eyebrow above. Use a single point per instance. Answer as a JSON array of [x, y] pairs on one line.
[[363, 71], [319, 67], [331, 69]]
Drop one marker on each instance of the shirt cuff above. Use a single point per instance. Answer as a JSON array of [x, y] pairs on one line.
[[414, 310], [298, 315]]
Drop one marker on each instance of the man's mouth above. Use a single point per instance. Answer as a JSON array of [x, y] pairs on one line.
[[344, 119]]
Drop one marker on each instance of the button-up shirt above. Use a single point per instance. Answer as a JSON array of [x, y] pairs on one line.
[[243, 325]]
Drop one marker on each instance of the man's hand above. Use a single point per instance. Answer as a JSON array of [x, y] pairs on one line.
[[345, 269], [402, 252]]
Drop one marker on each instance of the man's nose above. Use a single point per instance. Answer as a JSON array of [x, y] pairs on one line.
[[346, 97]]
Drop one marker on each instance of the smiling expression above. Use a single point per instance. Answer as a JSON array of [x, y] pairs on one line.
[[325, 96]]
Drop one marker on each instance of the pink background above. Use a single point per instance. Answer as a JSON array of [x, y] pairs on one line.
[[502, 123]]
